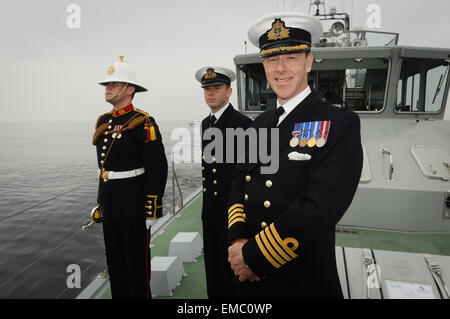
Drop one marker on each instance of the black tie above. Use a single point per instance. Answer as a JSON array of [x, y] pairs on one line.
[[212, 121], [278, 112]]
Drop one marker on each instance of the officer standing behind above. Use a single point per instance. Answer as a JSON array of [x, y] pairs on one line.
[[282, 225], [217, 176], [133, 173]]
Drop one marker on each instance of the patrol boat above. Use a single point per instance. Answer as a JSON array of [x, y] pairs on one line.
[[393, 242]]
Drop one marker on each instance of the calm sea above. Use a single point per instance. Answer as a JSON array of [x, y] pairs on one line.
[[48, 185]]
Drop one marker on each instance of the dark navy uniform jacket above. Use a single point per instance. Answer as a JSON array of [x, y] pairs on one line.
[[217, 177], [289, 217], [141, 146]]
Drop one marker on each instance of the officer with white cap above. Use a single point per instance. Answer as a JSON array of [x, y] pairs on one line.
[[215, 76], [216, 178], [121, 71], [132, 179], [285, 32], [282, 225]]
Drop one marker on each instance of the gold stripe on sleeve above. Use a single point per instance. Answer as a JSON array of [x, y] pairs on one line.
[[265, 253], [236, 210], [269, 247], [235, 215], [236, 205], [275, 245], [239, 219], [282, 243]]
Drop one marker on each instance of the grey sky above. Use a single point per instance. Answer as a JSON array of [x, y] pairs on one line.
[[50, 72]]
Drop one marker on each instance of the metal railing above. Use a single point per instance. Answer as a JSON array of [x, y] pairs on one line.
[[175, 181]]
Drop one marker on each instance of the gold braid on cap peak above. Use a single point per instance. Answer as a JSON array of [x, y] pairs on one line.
[[273, 50]]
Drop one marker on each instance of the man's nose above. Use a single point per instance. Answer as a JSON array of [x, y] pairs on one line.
[[281, 66]]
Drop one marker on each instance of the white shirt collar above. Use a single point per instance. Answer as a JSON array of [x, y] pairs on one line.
[[219, 113], [292, 103]]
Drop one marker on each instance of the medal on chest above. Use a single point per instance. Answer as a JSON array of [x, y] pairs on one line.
[[310, 134], [323, 133], [295, 134]]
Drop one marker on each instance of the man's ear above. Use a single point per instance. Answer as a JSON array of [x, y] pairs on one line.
[[131, 89], [229, 91], [309, 62]]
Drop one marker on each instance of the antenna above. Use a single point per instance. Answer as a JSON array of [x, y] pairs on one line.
[[291, 8], [294, 4], [279, 4], [317, 3]]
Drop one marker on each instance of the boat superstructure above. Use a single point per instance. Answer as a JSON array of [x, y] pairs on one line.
[[400, 94]]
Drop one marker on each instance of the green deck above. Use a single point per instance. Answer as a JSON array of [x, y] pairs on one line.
[[194, 285]]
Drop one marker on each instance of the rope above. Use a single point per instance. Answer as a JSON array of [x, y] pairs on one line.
[[132, 123], [118, 94], [98, 132]]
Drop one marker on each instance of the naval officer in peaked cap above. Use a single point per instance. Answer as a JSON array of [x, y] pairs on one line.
[[282, 225], [132, 179], [216, 178]]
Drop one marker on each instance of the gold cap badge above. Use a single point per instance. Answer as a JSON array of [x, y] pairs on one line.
[[278, 31], [110, 70], [210, 74], [121, 57]]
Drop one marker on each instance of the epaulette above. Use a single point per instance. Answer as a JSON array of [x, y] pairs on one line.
[[142, 112], [149, 130], [149, 127], [98, 120]]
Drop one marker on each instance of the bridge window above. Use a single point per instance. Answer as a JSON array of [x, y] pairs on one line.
[[421, 85], [256, 94], [359, 84]]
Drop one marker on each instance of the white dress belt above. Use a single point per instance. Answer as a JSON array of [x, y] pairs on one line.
[[124, 174]]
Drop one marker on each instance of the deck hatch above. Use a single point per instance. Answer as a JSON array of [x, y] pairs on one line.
[[432, 161]]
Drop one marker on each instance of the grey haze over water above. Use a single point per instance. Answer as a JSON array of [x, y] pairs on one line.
[[48, 185]]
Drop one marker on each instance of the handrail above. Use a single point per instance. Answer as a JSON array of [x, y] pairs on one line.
[[175, 180], [391, 164]]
